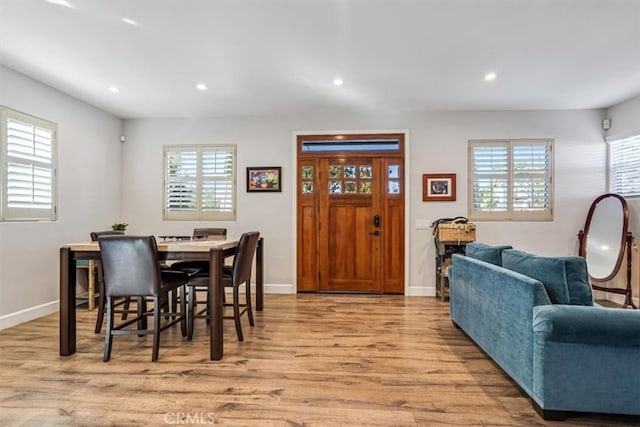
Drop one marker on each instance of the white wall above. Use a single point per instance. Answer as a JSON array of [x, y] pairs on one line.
[[88, 196], [625, 119], [96, 186], [438, 143]]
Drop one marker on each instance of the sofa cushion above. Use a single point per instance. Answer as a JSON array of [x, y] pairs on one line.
[[565, 278], [578, 280], [588, 325], [486, 253]]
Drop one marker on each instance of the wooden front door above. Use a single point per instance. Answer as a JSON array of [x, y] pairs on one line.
[[349, 203], [350, 222]]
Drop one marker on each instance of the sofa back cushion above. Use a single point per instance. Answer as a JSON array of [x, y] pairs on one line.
[[486, 253], [565, 278]]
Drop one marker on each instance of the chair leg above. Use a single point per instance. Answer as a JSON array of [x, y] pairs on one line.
[[156, 329], [171, 305], [236, 312], [208, 312], [166, 305], [108, 339], [174, 302], [125, 312], [249, 311], [183, 310], [101, 304], [191, 312], [142, 309]]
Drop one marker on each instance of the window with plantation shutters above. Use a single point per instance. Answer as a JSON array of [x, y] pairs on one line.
[[199, 182], [28, 167], [510, 180], [624, 165]]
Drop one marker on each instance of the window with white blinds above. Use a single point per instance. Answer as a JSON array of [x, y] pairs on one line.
[[28, 158], [624, 165], [511, 180], [200, 182]]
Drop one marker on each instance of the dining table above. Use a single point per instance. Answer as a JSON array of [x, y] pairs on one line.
[[215, 251]]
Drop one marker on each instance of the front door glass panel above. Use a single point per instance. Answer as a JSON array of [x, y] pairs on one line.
[[350, 179]]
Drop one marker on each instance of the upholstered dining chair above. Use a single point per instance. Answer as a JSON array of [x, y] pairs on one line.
[[204, 233], [100, 280], [234, 277], [202, 266], [131, 269], [198, 282]]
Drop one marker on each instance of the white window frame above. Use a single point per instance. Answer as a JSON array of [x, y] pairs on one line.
[[623, 164], [199, 213], [27, 213], [510, 214]]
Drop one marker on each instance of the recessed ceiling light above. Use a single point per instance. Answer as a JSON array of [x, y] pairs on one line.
[[130, 22], [61, 3], [114, 89], [490, 76], [338, 81], [201, 86]]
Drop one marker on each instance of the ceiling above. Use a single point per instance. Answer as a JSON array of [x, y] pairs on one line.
[[280, 57]]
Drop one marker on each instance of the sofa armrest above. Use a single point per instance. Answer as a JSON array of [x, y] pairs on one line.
[[587, 325]]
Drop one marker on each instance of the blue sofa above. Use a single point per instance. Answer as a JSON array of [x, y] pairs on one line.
[[535, 317]]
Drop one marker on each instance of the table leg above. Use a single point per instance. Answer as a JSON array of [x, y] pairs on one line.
[[260, 275], [67, 303], [216, 289]]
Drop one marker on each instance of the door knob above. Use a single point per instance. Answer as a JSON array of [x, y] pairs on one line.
[[375, 233]]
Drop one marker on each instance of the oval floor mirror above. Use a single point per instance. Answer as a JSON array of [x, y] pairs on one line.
[[604, 242]]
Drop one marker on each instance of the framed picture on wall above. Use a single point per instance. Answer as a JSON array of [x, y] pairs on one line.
[[439, 187], [264, 179]]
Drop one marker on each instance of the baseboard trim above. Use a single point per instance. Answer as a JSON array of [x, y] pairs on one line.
[[28, 314], [616, 298], [32, 313], [279, 288], [287, 288], [421, 291]]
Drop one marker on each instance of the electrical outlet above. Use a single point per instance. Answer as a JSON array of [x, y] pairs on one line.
[[423, 224]]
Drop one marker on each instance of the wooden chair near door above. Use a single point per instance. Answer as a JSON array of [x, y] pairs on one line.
[[132, 269]]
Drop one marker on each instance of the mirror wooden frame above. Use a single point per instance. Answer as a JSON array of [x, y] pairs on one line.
[[626, 240]]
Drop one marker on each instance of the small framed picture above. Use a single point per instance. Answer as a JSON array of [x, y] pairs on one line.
[[264, 179], [439, 187]]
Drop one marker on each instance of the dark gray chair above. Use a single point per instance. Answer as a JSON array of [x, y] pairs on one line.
[[100, 281], [234, 277], [201, 266], [204, 233], [132, 269], [200, 279]]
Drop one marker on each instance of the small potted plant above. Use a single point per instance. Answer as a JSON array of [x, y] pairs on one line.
[[120, 226]]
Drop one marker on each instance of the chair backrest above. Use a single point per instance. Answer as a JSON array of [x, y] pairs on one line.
[[243, 259], [206, 232], [96, 234], [130, 265]]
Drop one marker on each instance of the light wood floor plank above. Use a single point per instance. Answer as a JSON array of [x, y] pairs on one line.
[[311, 360]]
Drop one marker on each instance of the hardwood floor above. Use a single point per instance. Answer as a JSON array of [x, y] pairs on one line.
[[313, 360]]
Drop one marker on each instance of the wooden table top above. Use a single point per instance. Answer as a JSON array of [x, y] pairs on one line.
[[172, 246]]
